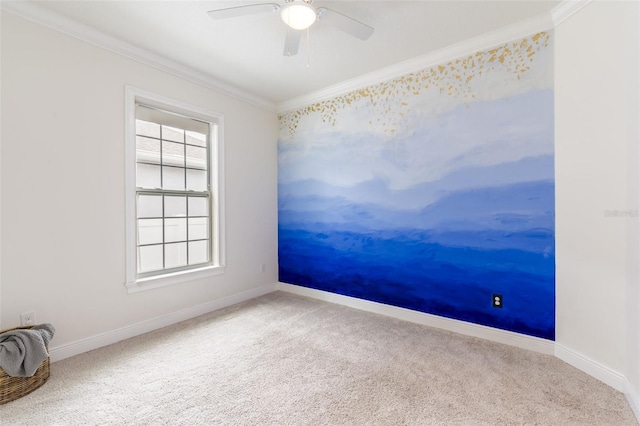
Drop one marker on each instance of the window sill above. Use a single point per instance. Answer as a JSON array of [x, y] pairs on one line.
[[164, 280]]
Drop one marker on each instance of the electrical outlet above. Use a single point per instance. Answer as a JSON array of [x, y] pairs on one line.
[[28, 318], [496, 300]]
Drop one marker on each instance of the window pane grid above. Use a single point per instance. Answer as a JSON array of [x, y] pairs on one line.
[[180, 170], [192, 158], [179, 245]]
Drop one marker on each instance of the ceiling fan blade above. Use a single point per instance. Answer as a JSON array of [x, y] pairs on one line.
[[251, 9], [292, 42], [345, 23]]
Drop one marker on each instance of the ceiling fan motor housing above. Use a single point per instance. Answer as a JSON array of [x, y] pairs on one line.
[[299, 14]]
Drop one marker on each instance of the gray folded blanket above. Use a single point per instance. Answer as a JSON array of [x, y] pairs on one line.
[[23, 350]]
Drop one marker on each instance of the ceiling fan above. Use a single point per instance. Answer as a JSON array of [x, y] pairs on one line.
[[299, 15]]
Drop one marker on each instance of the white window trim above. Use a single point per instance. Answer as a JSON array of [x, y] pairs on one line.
[[133, 283]]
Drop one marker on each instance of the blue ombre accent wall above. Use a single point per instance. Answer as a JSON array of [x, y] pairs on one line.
[[431, 191]]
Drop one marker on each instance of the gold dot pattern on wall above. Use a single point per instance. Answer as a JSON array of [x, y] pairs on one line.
[[387, 101]]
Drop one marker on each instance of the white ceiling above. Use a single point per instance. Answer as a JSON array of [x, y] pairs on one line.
[[247, 52]]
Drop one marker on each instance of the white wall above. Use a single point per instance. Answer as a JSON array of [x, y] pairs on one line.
[[63, 223], [596, 91]]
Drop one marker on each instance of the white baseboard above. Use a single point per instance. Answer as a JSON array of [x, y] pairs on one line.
[[602, 373], [94, 342], [469, 329], [591, 367], [606, 375], [633, 398]]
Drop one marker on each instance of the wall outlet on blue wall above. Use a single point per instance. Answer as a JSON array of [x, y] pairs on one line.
[[497, 300]]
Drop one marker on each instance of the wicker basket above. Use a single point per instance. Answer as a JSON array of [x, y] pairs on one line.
[[12, 388]]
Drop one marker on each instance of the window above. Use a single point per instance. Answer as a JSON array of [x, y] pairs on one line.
[[174, 203]]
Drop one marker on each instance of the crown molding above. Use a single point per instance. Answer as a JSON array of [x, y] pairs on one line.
[[566, 9], [37, 14], [446, 54], [57, 22]]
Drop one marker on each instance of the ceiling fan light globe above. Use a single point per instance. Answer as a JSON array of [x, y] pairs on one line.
[[299, 16]]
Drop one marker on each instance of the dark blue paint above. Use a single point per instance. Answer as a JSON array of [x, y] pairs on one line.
[[413, 272], [447, 259]]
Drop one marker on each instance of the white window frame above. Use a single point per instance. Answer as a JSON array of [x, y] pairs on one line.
[[135, 283]]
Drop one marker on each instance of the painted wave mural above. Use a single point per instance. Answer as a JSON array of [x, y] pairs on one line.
[[454, 205]]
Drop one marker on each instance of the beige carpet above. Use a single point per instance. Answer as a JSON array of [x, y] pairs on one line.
[[288, 360]]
